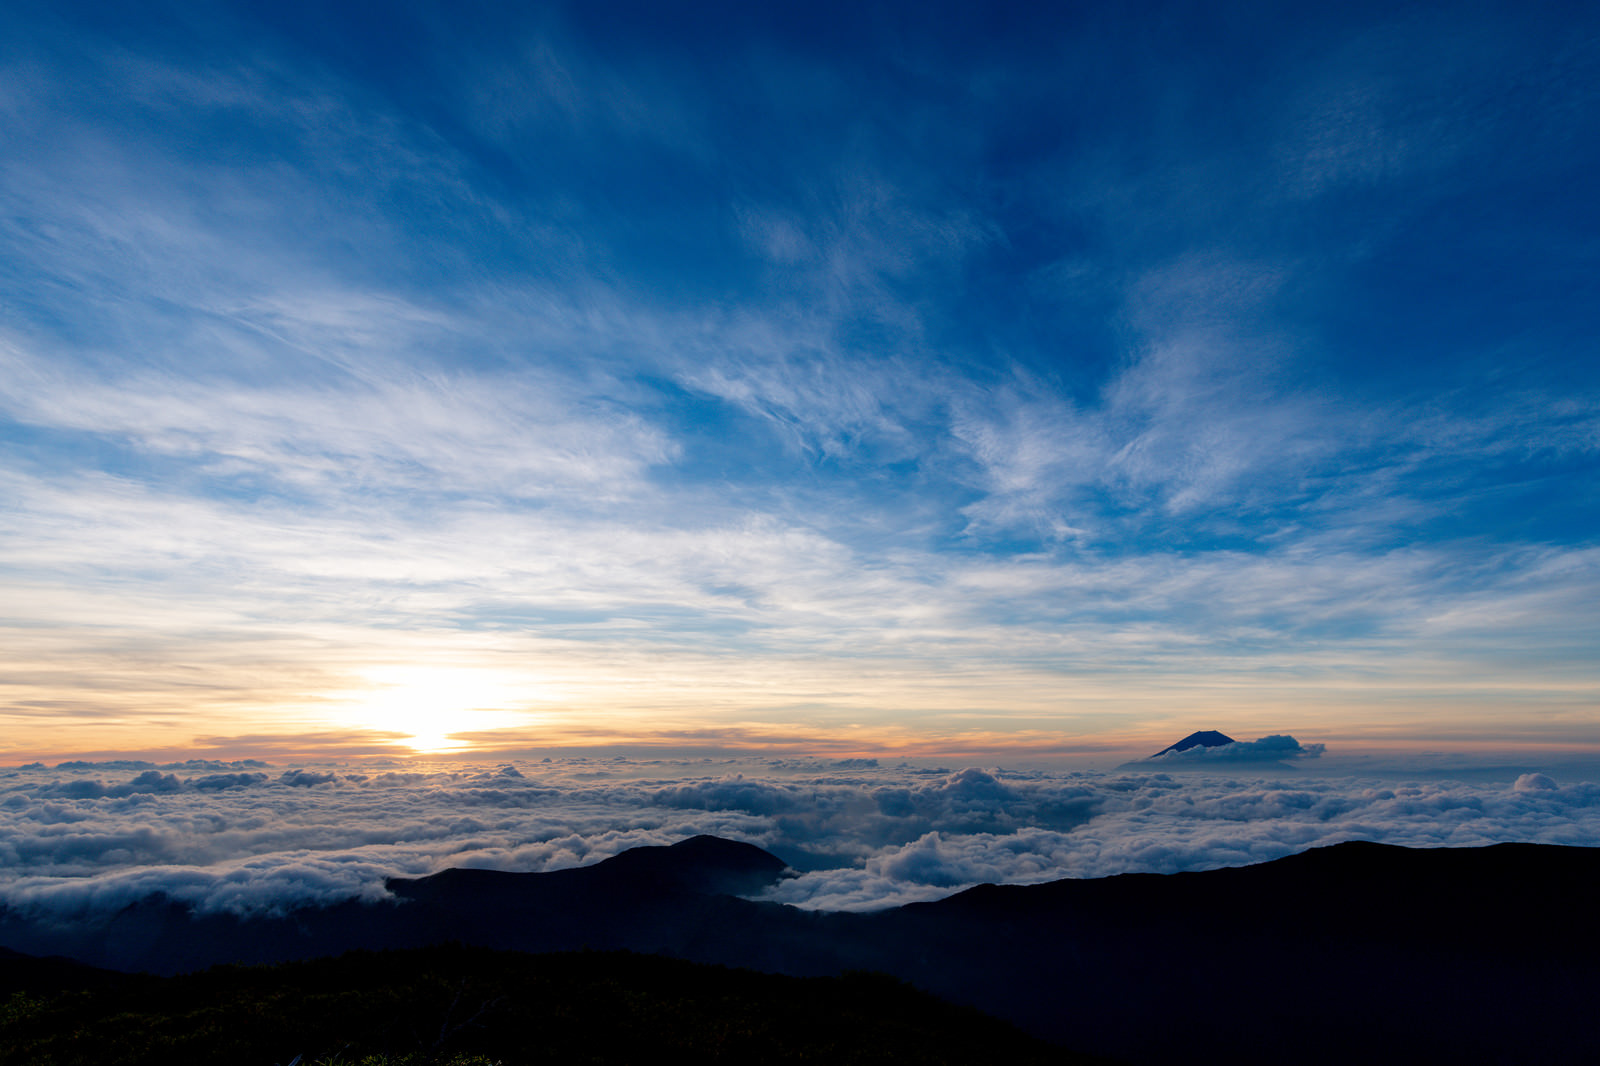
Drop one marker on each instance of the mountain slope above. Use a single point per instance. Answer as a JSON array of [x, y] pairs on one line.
[[1356, 952], [1205, 738]]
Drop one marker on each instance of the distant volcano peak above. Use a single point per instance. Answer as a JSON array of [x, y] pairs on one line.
[[1205, 738]]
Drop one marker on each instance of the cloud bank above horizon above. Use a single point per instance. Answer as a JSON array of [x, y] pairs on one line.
[[249, 838], [846, 379]]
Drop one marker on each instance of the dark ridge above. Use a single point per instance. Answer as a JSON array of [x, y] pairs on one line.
[[1358, 952], [1386, 954], [20, 972], [1205, 738], [704, 863], [700, 865]]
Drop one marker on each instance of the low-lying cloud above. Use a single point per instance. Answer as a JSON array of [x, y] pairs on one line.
[[246, 838]]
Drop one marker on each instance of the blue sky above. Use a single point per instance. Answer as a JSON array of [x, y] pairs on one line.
[[838, 380]]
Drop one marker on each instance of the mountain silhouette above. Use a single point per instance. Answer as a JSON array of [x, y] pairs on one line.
[[1354, 952], [1205, 738], [702, 865]]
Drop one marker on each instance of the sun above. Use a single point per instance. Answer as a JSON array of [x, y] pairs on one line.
[[433, 705]]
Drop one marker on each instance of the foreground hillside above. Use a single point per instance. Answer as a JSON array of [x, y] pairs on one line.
[[455, 1006], [1355, 952]]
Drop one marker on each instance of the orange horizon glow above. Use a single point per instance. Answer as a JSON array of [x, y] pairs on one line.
[[971, 747], [473, 702]]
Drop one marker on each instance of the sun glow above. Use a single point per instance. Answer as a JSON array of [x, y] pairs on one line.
[[434, 706]]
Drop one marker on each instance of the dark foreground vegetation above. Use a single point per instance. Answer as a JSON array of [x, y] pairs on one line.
[[458, 1006]]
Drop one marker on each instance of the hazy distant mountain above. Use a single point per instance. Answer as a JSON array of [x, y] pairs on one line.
[[1356, 952], [1205, 738]]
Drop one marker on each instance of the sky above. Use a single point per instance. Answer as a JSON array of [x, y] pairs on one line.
[[1028, 387]]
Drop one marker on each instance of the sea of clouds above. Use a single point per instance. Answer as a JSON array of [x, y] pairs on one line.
[[248, 837]]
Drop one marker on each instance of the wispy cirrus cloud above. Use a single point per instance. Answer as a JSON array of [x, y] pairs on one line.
[[518, 435]]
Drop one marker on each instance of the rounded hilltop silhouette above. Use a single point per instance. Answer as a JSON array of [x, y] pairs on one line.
[[1205, 738]]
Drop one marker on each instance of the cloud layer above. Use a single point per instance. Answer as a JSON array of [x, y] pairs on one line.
[[251, 839]]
